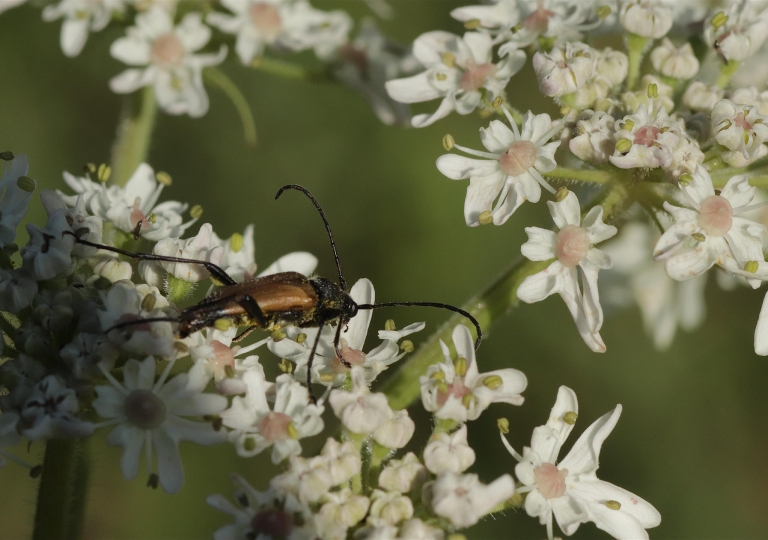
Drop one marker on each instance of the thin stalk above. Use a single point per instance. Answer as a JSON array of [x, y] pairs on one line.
[[726, 72], [134, 133], [218, 78], [63, 488], [402, 388], [582, 175], [636, 46], [281, 68]]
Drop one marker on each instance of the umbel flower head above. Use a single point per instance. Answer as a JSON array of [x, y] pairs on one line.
[[569, 490], [510, 172]]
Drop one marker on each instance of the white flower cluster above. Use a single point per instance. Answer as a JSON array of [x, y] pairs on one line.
[[658, 135]]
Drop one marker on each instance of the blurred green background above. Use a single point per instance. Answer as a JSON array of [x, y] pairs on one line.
[[692, 439]]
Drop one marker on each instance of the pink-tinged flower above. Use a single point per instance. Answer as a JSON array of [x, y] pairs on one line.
[[739, 34], [739, 127], [645, 139], [573, 248], [569, 490], [463, 499], [510, 171]]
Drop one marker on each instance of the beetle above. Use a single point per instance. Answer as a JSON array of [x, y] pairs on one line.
[[274, 301]]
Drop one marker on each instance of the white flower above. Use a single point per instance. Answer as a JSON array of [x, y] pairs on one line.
[[646, 18], [749, 95], [396, 431], [453, 389], [50, 412], [8, 4], [457, 69], [15, 191], [514, 163], [389, 508], [17, 290], [652, 137], [80, 18], [665, 304], [150, 414], [172, 67], [463, 499], [281, 24], [613, 65], [341, 510], [256, 427], [570, 489], [554, 19], [739, 127], [342, 460], [564, 70], [449, 452], [327, 368], [671, 61], [572, 246], [499, 17], [306, 479], [198, 248], [359, 410], [49, 251], [126, 206], [85, 227], [739, 34], [262, 515], [702, 98], [712, 233], [403, 475], [83, 354], [595, 140]]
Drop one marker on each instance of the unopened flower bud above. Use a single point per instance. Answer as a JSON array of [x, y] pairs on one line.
[[671, 61], [196, 211], [396, 432], [751, 267], [164, 178], [702, 98], [448, 142], [25, 183], [570, 418], [503, 425], [645, 19]]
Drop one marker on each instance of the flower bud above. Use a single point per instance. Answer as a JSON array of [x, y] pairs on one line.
[[390, 508], [702, 98], [645, 19], [396, 432], [403, 475], [678, 63], [449, 452], [564, 71]]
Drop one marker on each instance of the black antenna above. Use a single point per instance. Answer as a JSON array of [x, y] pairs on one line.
[[311, 197], [134, 322], [431, 304]]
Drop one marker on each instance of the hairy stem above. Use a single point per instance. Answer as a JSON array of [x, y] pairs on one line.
[[134, 133], [402, 388], [582, 175], [63, 488], [287, 70]]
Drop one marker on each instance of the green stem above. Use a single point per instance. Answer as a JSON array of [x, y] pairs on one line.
[[582, 175], [726, 72], [281, 68], [62, 494], [402, 388], [218, 78], [721, 177], [635, 48], [134, 133]]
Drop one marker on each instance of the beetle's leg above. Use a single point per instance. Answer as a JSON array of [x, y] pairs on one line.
[[253, 310], [245, 333], [309, 366], [216, 271], [338, 350]]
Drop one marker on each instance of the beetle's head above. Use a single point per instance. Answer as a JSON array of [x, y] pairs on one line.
[[350, 308]]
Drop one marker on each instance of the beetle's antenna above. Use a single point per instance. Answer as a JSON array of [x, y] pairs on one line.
[[431, 304], [311, 197], [134, 322]]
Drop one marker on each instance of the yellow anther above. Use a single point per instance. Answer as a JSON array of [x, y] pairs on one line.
[[698, 237], [751, 267], [613, 505], [685, 179], [277, 335], [326, 377], [438, 375], [449, 59], [653, 90], [442, 387], [148, 303], [474, 24], [602, 12], [623, 145], [497, 101], [441, 76], [180, 347], [90, 168], [503, 425], [565, 110], [719, 19], [164, 178], [628, 125], [236, 242], [746, 137], [407, 346], [561, 194], [468, 401], [196, 211], [390, 325], [493, 382], [25, 183], [152, 218], [460, 366], [222, 325], [301, 338], [104, 172], [570, 418], [285, 365], [229, 371], [485, 217], [448, 142], [293, 433]]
